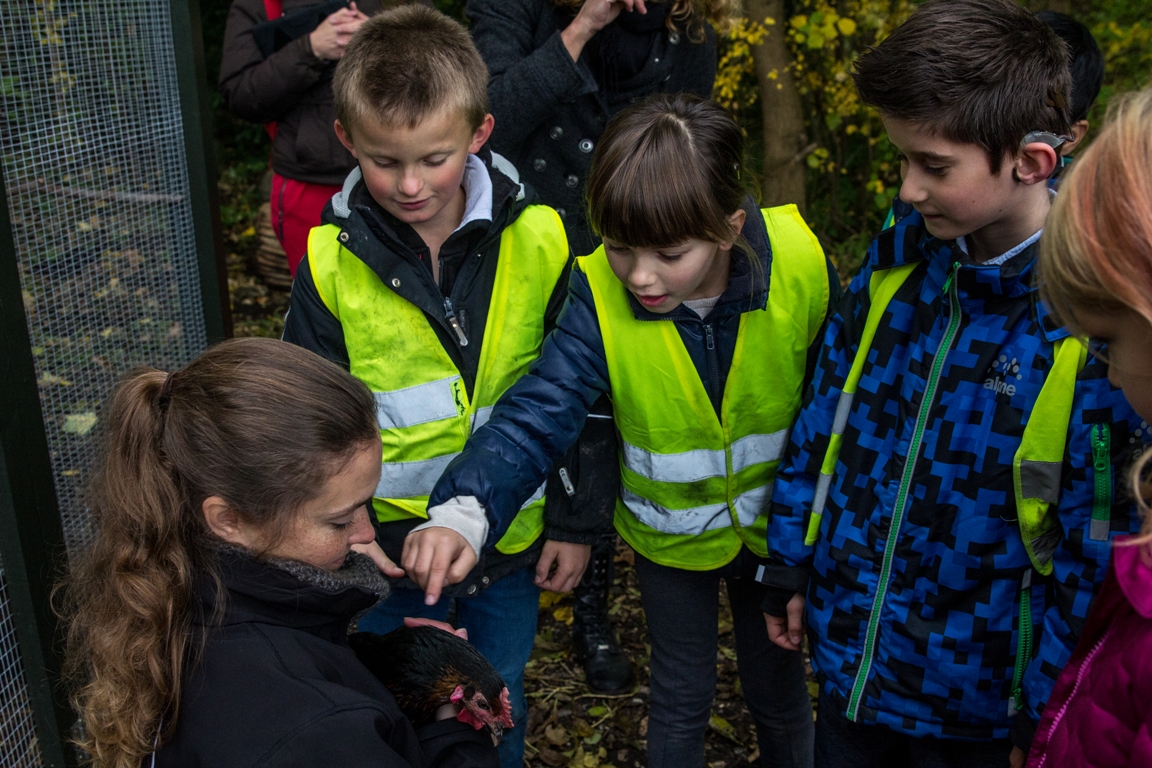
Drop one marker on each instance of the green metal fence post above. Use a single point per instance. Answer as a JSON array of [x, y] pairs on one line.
[[191, 75], [31, 535]]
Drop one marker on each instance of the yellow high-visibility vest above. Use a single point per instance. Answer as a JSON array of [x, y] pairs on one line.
[[695, 487], [423, 408]]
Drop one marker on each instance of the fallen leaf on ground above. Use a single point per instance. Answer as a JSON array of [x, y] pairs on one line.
[[723, 727], [79, 423], [551, 757]]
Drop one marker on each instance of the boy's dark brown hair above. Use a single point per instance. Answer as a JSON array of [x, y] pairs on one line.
[[983, 72], [406, 64], [667, 170]]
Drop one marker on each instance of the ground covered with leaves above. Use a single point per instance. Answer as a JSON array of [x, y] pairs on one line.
[[568, 726]]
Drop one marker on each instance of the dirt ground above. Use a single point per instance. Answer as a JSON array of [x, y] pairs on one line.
[[568, 726]]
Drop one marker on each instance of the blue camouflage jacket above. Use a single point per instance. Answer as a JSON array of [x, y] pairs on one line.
[[944, 625]]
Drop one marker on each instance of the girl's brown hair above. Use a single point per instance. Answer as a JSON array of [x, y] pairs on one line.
[[686, 15], [667, 170], [262, 424], [1096, 251]]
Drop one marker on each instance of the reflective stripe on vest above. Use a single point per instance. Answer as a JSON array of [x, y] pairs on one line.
[[1037, 466], [424, 410], [702, 463], [695, 487], [881, 289]]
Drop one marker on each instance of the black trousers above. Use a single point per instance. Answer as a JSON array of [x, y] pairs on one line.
[[840, 743], [682, 609]]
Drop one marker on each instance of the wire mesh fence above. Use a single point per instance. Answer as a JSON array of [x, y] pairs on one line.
[[96, 180], [18, 745]]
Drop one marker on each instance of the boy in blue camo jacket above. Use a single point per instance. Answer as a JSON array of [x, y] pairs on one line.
[[942, 518]]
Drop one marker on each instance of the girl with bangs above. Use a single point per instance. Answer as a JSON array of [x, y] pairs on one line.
[[699, 317], [1095, 269], [560, 69]]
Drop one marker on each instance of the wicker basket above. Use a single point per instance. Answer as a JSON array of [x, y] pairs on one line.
[[271, 262]]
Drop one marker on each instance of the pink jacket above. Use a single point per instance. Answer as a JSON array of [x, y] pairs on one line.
[[1100, 712]]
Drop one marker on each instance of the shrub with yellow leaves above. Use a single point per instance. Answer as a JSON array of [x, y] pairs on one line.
[[851, 170]]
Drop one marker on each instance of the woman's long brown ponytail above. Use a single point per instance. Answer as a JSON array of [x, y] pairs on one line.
[[259, 422]]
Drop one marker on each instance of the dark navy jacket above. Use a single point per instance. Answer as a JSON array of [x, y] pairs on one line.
[[550, 111], [273, 683], [539, 417], [947, 630]]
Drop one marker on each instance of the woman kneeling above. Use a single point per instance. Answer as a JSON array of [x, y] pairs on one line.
[[210, 615]]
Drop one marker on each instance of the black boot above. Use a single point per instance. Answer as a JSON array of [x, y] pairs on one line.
[[607, 669]]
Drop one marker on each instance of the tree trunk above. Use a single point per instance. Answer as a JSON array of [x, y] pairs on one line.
[[784, 135]]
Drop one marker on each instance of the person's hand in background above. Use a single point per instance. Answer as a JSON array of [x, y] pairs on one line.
[[594, 15], [329, 39]]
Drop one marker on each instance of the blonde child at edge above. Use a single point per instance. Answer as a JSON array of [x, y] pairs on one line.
[[1096, 271]]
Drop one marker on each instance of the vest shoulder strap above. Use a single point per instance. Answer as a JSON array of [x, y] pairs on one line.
[[881, 288], [546, 228], [1037, 467], [793, 241], [324, 262]]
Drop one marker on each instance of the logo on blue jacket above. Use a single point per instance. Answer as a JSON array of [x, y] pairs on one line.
[[1002, 376]]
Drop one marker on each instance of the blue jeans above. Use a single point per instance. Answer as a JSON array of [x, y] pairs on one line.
[[501, 624]]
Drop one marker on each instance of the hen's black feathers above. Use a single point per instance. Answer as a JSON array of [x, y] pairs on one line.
[[422, 666]]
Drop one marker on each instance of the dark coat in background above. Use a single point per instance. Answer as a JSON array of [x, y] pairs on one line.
[[276, 685], [550, 111], [292, 88]]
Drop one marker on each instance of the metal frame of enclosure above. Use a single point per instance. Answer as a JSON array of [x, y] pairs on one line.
[[110, 258]]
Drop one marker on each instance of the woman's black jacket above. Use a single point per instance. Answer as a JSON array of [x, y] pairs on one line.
[[275, 684], [550, 111]]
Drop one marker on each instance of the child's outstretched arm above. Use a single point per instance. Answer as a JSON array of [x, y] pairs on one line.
[[532, 425]]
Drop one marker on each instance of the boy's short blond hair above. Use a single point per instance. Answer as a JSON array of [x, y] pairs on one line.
[[406, 64]]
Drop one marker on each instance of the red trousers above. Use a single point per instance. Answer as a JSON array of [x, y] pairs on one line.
[[296, 208]]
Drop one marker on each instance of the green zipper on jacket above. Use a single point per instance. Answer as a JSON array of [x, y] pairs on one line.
[[1024, 647], [1102, 476], [933, 382]]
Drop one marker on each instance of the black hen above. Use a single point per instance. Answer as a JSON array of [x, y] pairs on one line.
[[425, 668]]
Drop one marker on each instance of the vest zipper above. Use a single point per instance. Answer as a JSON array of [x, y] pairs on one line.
[[450, 316], [1024, 647], [713, 363], [1102, 476], [933, 382]]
